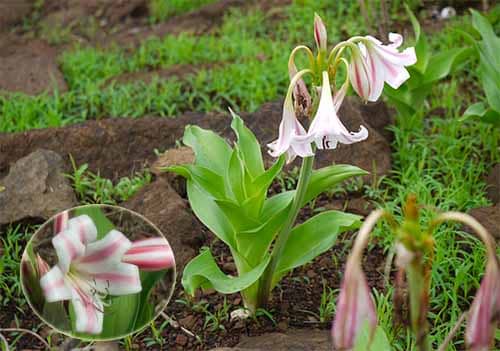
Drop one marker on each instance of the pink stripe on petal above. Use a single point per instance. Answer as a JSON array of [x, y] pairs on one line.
[[104, 253], [117, 278]]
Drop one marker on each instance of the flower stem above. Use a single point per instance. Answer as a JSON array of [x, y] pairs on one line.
[[419, 298], [282, 237]]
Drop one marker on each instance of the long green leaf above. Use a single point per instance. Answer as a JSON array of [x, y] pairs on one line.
[[248, 146], [205, 178], [312, 238], [203, 272], [210, 214], [211, 150], [325, 178]]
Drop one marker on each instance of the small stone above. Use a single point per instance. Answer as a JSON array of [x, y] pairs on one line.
[[237, 301], [209, 291], [240, 314], [229, 267], [283, 325], [188, 322], [311, 274], [107, 346], [181, 339]]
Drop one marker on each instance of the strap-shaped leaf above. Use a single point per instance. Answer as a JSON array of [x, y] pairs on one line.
[[440, 65], [235, 175], [248, 146], [368, 341], [211, 150], [325, 178], [421, 46], [203, 272], [209, 213], [206, 179], [237, 216], [312, 238]]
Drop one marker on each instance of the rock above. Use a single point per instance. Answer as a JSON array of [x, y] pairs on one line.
[[489, 217], [105, 346], [30, 67], [493, 184], [159, 203], [378, 116], [35, 188], [297, 340], [13, 12], [130, 143], [181, 339], [172, 157]]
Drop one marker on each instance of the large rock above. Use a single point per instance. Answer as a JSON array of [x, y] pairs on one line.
[[489, 217], [296, 340], [159, 203], [35, 188], [13, 11], [30, 67], [119, 147]]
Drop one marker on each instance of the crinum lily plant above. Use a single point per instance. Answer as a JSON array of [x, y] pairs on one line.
[[355, 325], [228, 186]]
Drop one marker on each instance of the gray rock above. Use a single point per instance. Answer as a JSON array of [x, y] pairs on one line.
[[293, 340], [35, 188]]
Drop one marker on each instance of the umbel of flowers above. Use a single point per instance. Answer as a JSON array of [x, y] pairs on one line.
[[414, 246], [228, 186]]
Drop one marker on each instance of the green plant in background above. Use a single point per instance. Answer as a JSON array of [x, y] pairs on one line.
[[160, 10], [429, 69], [355, 326], [227, 187], [488, 50]]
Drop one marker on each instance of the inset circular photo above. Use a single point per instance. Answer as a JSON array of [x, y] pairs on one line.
[[98, 272]]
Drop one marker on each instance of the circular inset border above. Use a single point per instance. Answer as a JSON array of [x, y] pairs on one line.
[[44, 252]]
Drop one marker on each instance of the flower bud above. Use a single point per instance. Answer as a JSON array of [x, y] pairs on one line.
[[41, 265], [320, 33], [355, 307], [484, 313]]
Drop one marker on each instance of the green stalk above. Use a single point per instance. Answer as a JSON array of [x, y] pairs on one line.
[[282, 238], [419, 297]]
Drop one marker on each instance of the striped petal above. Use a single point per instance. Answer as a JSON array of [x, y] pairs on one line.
[[123, 279], [85, 227], [101, 254], [355, 307], [359, 74], [61, 222], [54, 286], [68, 247], [150, 254], [88, 311], [485, 310]]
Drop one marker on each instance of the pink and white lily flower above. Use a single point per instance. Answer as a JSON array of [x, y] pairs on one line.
[[326, 129], [291, 135], [153, 254], [484, 314], [88, 270], [373, 63], [355, 307]]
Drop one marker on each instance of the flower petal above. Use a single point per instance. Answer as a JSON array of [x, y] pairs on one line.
[[85, 227], [88, 311], [326, 128], [150, 254], [68, 247], [122, 279], [354, 307], [481, 324], [61, 222], [54, 286], [102, 253], [358, 74]]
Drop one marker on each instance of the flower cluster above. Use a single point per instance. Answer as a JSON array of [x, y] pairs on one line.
[[369, 65], [88, 270]]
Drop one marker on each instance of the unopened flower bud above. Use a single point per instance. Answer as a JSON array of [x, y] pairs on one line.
[[320, 34], [484, 313], [355, 307]]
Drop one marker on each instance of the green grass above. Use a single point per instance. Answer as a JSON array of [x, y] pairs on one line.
[[160, 10]]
